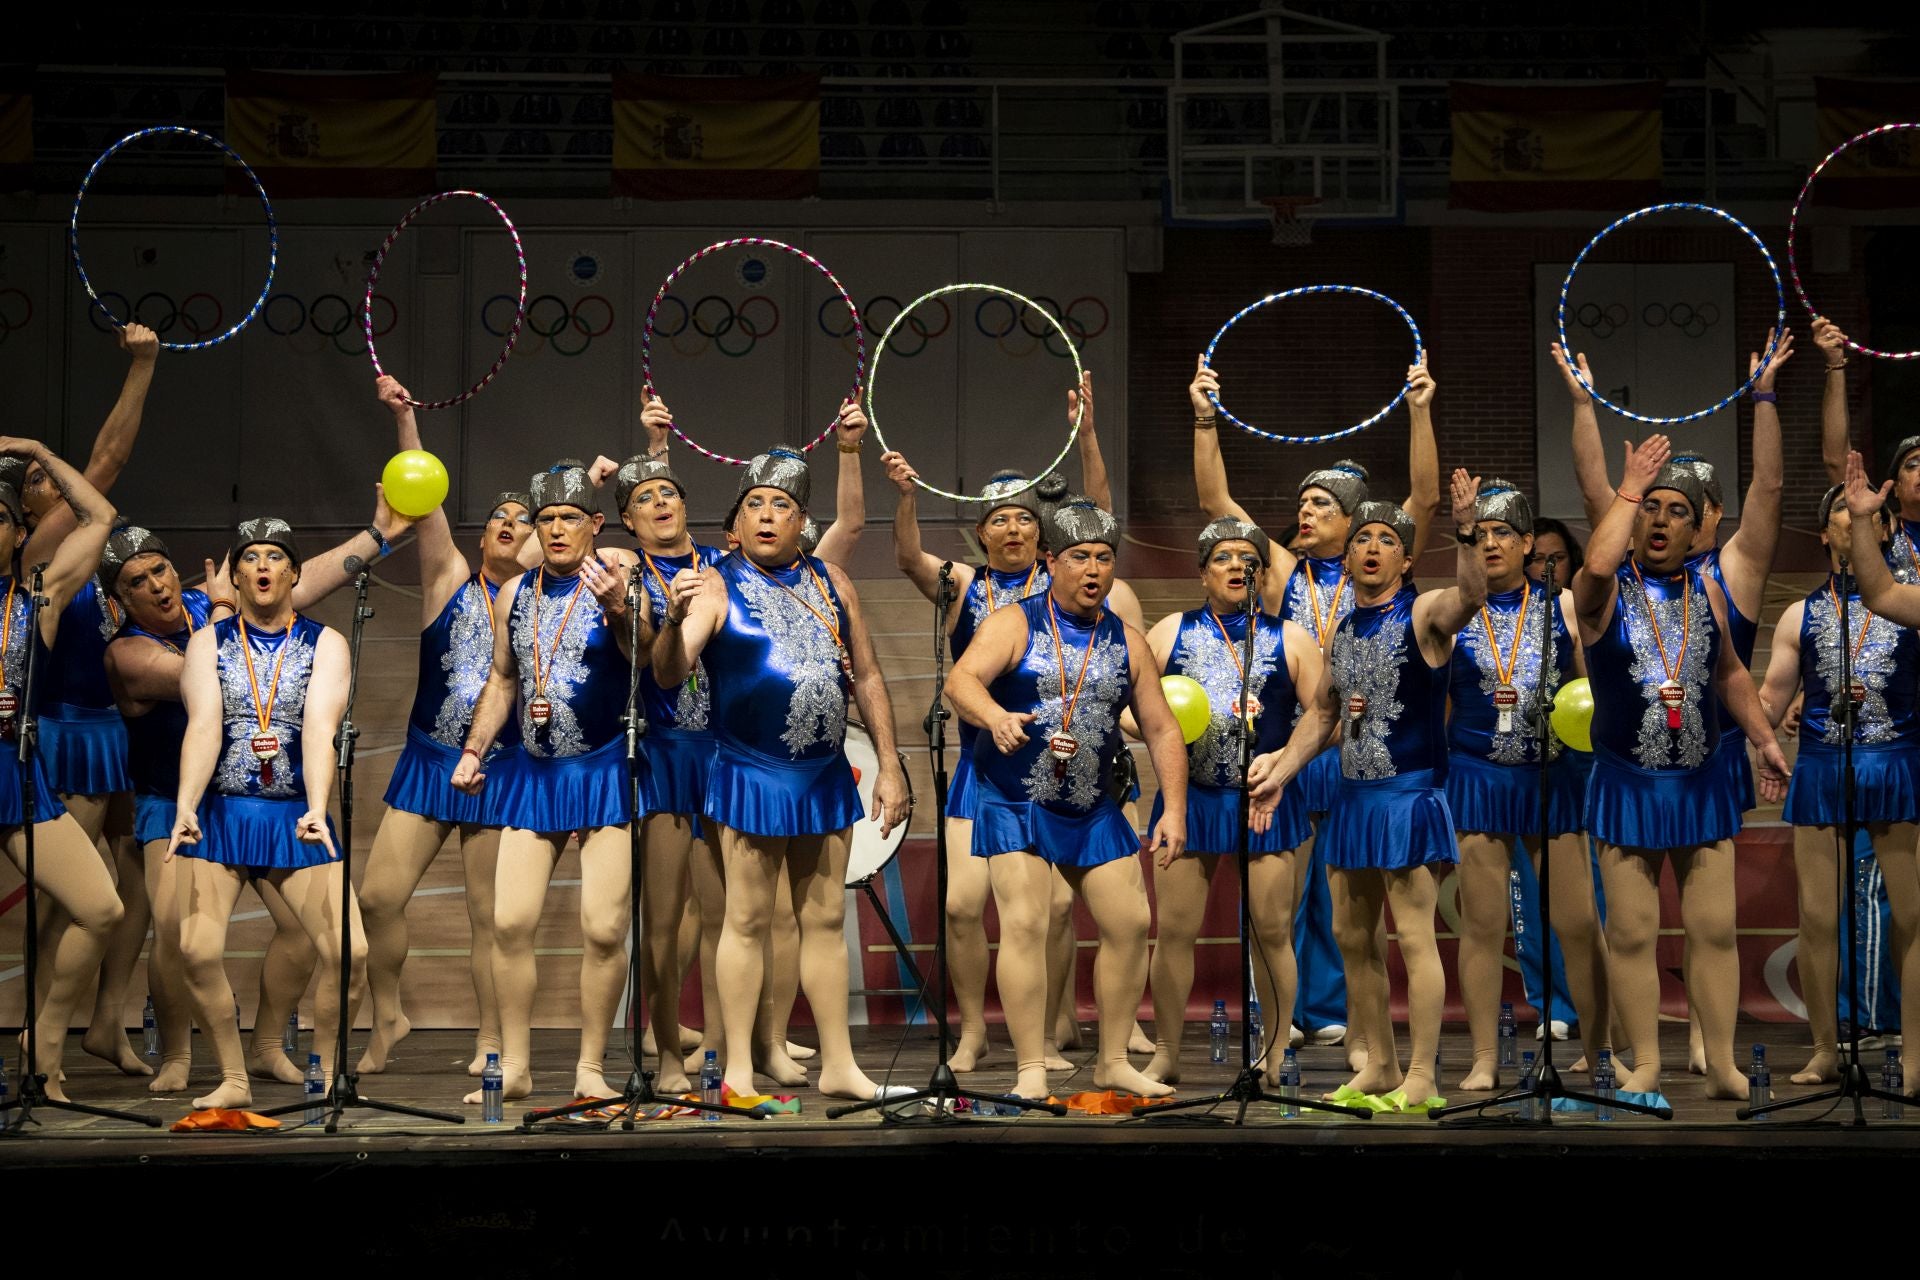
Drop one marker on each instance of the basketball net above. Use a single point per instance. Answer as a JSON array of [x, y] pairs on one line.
[[1290, 230]]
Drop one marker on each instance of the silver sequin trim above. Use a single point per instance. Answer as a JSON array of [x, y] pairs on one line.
[[1369, 666], [1102, 695], [805, 654], [238, 772]]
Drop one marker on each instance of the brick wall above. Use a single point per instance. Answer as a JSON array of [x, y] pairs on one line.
[[1309, 364]]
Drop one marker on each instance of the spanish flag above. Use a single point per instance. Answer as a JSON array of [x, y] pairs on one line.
[[328, 135], [716, 138], [1519, 148], [16, 141], [1882, 172]]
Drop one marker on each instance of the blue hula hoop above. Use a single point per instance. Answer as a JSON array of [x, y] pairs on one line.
[[273, 233], [1419, 354], [1779, 320]]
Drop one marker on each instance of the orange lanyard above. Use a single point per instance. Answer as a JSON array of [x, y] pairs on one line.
[[540, 598], [263, 713], [1864, 627], [1239, 666], [169, 645], [833, 628], [1026, 588], [6, 628], [1067, 704], [1653, 623], [658, 577], [480, 580], [1322, 624], [1505, 672]]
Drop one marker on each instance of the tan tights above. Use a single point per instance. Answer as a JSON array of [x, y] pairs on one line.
[[968, 959], [1632, 878], [1486, 860], [668, 846], [1360, 900], [405, 845]]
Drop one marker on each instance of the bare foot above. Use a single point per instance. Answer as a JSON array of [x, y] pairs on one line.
[[1726, 1084], [1165, 1068], [1481, 1079], [1138, 1041], [667, 1079], [690, 1038], [1055, 1060], [698, 1058], [230, 1094], [273, 1064], [649, 1047], [382, 1044], [172, 1075], [1067, 1033], [800, 1052], [778, 1067], [1124, 1078], [590, 1082], [970, 1055], [850, 1082], [514, 1086], [1581, 1065], [1418, 1084], [1641, 1080], [1356, 1058], [111, 1045], [481, 1048], [1696, 1062], [1821, 1068], [1382, 1079], [1030, 1084]]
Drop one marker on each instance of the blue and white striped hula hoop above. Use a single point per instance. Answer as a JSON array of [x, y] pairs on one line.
[[1419, 355], [273, 233], [1779, 320]]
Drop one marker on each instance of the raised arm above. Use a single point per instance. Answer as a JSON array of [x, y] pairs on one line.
[[77, 556], [443, 570], [1783, 665], [909, 556], [496, 700], [1209, 469], [1439, 615], [1423, 460], [849, 492], [326, 703], [1833, 398], [112, 444], [1748, 555], [334, 568], [1895, 601], [1612, 540], [200, 748], [1093, 467], [1589, 454]]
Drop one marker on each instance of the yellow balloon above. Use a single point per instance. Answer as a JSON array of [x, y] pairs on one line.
[[1189, 703], [416, 482], [1572, 714]]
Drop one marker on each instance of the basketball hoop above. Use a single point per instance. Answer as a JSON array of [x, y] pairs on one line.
[[1290, 230]]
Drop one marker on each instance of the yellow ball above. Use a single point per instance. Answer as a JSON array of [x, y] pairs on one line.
[[415, 481], [1189, 703], [1572, 714]]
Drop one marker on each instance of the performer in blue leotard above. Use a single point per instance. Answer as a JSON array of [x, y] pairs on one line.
[[1654, 633], [1389, 836], [1885, 670], [783, 641], [265, 691], [560, 668], [457, 624], [1308, 586], [1208, 645], [1493, 781]]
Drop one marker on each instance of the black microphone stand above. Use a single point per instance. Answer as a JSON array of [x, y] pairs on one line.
[[638, 1093], [344, 1092], [1854, 1084], [33, 1082], [1247, 1087], [941, 1088], [1546, 1084]]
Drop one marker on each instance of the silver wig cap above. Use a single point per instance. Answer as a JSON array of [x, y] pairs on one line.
[[809, 536], [126, 543], [1502, 500], [1683, 479], [1709, 478], [782, 467], [1346, 480], [1233, 529], [505, 496], [271, 530], [1385, 513], [999, 492], [564, 484], [1076, 520], [639, 470]]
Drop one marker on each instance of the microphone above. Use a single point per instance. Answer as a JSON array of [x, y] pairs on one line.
[[946, 583]]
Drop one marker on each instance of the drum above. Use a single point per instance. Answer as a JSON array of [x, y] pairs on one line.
[[871, 851]]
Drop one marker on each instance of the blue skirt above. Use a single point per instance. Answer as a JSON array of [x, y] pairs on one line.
[[566, 793], [1213, 821], [1389, 823], [153, 818], [764, 796], [85, 749], [1635, 809], [1505, 799], [1736, 769], [679, 762], [46, 805], [962, 791], [1099, 836], [1318, 782], [256, 833], [421, 782], [1886, 777]]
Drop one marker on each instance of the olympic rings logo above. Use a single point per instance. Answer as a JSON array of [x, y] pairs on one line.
[[198, 315], [14, 315], [1691, 319], [328, 316], [1018, 320], [550, 317], [872, 310], [714, 322]]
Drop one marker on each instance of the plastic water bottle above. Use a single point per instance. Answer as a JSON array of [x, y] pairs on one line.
[[1894, 1080], [710, 1083], [1759, 1081], [493, 1097], [1509, 1035], [1289, 1084], [150, 1030], [1526, 1086], [316, 1090], [290, 1041], [1259, 1028], [1217, 1033], [1605, 1085]]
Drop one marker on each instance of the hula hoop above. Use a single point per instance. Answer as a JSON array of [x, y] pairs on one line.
[[1779, 321], [1419, 354], [1010, 297], [273, 235], [1793, 226], [648, 390], [373, 282]]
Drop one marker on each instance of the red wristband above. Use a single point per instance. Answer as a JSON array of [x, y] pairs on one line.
[[1635, 499]]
